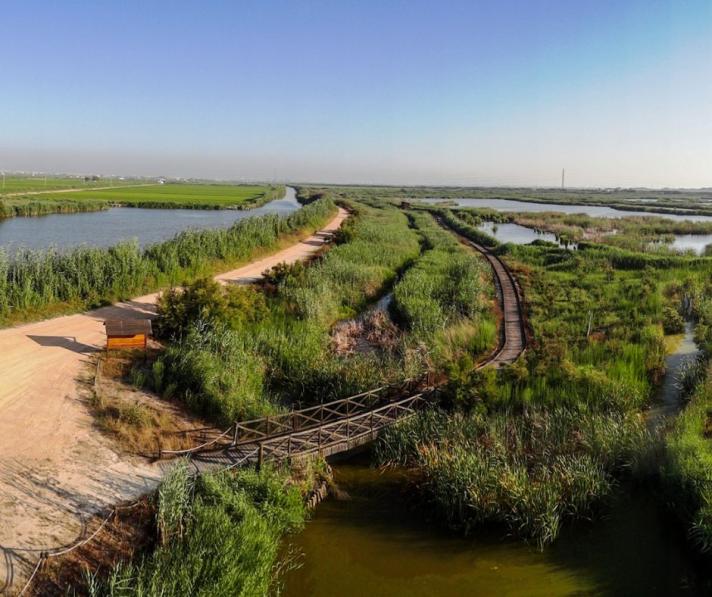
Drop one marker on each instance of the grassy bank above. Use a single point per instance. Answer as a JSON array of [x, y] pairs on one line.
[[688, 469], [35, 284], [226, 365], [218, 534]]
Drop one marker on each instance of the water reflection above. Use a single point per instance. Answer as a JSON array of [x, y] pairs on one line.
[[591, 210], [373, 544], [691, 242], [107, 228], [514, 233]]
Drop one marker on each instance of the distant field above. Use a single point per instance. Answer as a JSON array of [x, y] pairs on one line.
[[32, 184], [193, 195], [171, 195]]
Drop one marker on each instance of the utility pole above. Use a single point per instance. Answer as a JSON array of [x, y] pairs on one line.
[[563, 177]]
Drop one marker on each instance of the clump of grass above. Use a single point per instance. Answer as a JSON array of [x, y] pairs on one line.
[[528, 471], [688, 466], [222, 537]]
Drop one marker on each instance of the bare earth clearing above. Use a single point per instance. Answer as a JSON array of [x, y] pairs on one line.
[[55, 467]]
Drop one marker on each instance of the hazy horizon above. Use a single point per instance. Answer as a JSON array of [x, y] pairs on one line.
[[456, 93]]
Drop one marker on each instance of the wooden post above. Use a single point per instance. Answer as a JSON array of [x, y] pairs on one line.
[[289, 446], [261, 455], [236, 435], [268, 426]]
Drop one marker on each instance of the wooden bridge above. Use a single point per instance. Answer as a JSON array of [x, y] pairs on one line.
[[344, 424]]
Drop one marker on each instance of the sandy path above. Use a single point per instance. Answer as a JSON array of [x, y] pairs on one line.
[[54, 466]]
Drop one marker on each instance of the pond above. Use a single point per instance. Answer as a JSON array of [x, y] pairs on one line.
[[514, 233], [369, 541], [691, 242], [592, 210], [107, 228]]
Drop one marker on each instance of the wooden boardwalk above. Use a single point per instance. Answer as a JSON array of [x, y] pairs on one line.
[[344, 424], [513, 335]]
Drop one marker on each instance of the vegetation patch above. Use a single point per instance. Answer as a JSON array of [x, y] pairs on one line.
[[35, 283]]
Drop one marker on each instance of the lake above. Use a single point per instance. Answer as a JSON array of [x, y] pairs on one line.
[[109, 227], [591, 210]]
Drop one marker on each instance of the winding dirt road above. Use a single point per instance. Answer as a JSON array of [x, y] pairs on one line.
[[55, 467]]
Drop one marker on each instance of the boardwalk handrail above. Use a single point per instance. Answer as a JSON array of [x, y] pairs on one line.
[[251, 431]]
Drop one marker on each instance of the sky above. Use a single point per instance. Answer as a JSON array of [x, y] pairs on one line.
[[617, 92]]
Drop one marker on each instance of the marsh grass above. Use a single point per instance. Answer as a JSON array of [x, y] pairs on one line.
[[220, 536], [688, 466], [33, 283], [529, 471]]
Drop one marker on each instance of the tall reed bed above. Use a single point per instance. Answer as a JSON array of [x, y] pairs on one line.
[[528, 471], [10, 208], [228, 367], [218, 535], [34, 282], [688, 467], [445, 286]]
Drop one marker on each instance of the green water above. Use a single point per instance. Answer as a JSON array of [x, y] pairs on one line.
[[375, 544]]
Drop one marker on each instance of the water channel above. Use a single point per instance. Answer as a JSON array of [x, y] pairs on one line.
[[598, 211], [372, 542], [109, 227]]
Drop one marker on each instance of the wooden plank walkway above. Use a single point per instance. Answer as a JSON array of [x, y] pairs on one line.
[[513, 336]]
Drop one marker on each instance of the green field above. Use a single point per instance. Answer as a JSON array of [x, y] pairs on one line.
[[33, 184], [136, 194], [184, 195]]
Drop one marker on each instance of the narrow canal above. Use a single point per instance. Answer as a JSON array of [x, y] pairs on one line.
[[372, 541]]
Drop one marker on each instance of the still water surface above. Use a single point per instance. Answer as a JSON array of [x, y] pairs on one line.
[[691, 242], [591, 210], [107, 228], [370, 542], [516, 234]]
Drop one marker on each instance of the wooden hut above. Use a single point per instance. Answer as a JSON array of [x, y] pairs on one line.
[[130, 333]]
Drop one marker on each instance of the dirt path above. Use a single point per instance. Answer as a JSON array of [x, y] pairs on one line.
[[55, 467]]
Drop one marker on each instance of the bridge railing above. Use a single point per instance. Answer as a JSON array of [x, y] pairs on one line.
[[343, 432], [320, 414], [255, 430]]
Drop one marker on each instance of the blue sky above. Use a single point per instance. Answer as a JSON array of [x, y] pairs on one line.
[[506, 92]]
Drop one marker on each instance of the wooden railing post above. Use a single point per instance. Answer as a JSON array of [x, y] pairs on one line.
[[261, 455], [268, 425], [289, 447], [236, 435]]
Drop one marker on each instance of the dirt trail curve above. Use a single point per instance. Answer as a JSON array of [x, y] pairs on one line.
[[54, 466]]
